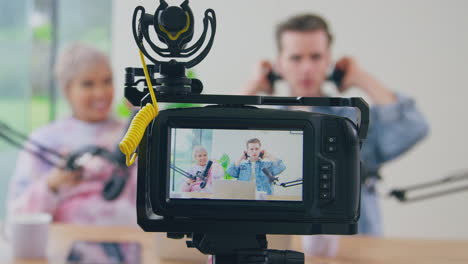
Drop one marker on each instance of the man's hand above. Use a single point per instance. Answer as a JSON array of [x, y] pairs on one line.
[[268, 155], [259, 82], [354, 75], [242, 157]]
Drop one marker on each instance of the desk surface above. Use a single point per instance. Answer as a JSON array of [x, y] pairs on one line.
[[353, 249], [199, 195]]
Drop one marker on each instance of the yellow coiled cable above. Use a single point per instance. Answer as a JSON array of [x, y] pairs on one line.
[[139, 123]]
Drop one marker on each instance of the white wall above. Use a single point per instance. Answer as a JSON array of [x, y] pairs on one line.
[[416, 47]]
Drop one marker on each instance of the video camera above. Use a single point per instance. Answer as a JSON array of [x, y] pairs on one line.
[[315, 155]]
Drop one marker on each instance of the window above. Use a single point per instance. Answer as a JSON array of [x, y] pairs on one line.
[[32, 32]]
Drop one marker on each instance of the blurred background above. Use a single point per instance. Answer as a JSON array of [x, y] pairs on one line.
[[416, 47], [32, 32]]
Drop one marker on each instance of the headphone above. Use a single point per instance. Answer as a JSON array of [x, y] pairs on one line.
[[114, 186]]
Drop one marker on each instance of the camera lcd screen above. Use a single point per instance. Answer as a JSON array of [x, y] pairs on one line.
[[236, 164]]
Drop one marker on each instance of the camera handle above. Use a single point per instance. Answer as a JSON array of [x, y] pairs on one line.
[[242, 248], [141, 98]]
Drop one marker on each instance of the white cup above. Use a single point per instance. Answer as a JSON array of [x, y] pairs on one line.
[[28, 235], [320, 245]]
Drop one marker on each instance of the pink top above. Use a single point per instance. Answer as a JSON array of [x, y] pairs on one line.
[[216, 172], [83, 203]]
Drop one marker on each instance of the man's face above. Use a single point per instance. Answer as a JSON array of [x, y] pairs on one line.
[[253, 150], [304, 61]]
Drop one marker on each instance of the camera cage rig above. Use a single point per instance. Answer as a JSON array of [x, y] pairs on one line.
[[174, 27]]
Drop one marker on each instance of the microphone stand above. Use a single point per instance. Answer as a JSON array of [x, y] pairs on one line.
[[401, 193]]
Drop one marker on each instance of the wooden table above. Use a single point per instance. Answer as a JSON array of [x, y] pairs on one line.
[[199, 195], [353, 249]]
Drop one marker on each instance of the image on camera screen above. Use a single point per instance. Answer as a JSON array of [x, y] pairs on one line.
[[236, 164]]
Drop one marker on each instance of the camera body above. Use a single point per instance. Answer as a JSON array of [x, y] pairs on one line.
[[327, 201], [248, 171]]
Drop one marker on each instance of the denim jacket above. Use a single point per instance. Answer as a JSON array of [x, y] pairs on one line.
[[243, 173], [393, 129]]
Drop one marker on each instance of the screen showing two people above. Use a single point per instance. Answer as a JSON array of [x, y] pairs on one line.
[[236, 164]]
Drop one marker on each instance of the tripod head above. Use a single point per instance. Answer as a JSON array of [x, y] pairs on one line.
[[237, 248], [173, 26]]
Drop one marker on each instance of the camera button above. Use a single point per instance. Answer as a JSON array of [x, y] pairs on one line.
[[331, 139], [324, 185], [331, 148], [325, 167], [324, 176], [324, 195]]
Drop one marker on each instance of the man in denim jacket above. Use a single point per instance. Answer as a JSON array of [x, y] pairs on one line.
[[250, 166], [304, 61]]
